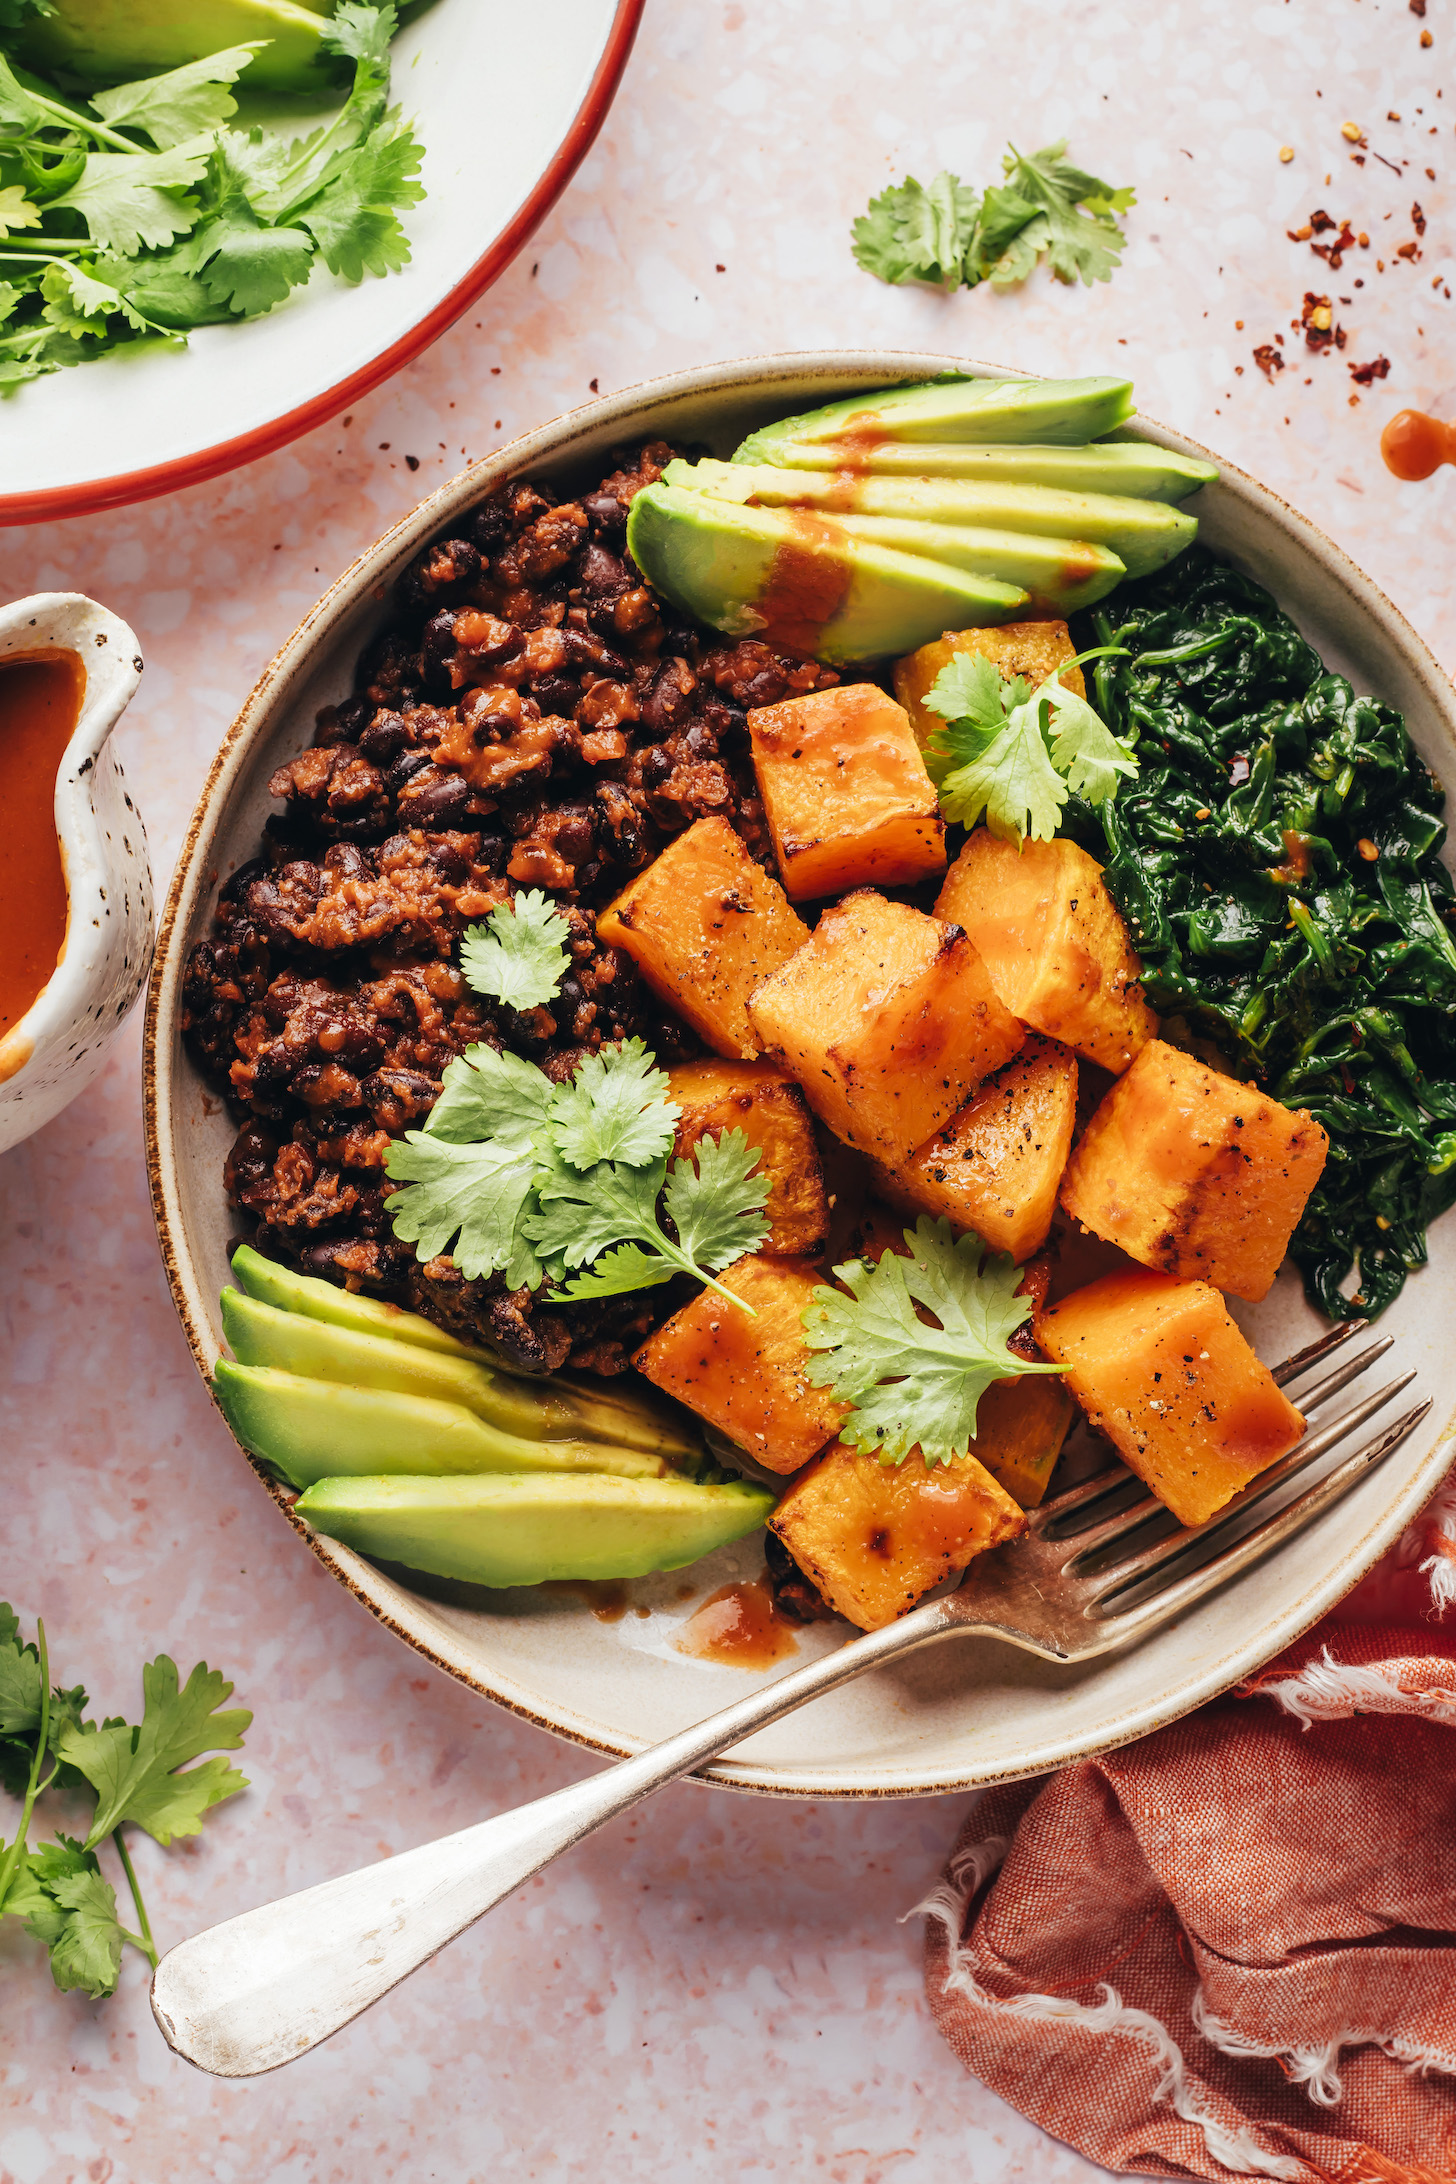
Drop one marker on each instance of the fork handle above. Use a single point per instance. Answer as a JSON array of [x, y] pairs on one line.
[[267, 1986]]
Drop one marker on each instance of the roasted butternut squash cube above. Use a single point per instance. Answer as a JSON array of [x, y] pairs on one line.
[[1054, 943], [768, 1107], [997, 1165], [845, 792], [1191, 1172], [1160, 1368], [874, 1537], [747, 1376], [1021, 1425], [704, 924], [1031, 649], [888, 1020]]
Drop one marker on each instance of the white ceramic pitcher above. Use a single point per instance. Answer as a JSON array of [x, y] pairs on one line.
[[56, 1048]]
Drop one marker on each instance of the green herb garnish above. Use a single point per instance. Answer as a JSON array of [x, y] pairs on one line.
[[514, 1174], [951, 236], [1016, 754], [913, 1385], [519, 954], [141, 214], [137, 1773]]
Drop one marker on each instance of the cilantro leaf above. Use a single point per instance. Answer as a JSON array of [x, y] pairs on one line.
[[353, 218], [617, 1107], [912, 1385], [245, 267], [717, 1208], [519, 955], [617, 1273], [1082, 246], [19, 1679], [714, 1201], [173, 108], [472, 1170], [913, 233], [486, 1094], [164, 286], [362, 34], [133, 1769], [1084, 748], [20, 1708], [19, 108], [131, 199], [949, 235], [999, 753], [283, 178], [66, 1902], [581, 1216], [1013, 782], [469, 1200], [76, 300], [972, 700], [16, 211]]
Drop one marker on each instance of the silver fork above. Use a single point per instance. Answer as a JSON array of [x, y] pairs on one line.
[[267, 1986]]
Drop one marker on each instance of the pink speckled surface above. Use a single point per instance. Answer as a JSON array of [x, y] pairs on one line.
[[718, 1989]]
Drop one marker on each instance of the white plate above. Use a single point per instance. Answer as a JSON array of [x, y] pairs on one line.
[[969, 1711], [132, 425]]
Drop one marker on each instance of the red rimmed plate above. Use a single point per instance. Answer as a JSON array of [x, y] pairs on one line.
[[506, 116]]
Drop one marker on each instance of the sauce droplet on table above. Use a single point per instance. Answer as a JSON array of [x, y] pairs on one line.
[[1414, 445], [739, 1627], [40, 703]]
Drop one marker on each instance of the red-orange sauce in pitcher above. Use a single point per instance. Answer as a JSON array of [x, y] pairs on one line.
[[40, 703]]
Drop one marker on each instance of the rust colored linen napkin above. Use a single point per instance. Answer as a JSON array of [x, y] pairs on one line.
[[1230, 1950]]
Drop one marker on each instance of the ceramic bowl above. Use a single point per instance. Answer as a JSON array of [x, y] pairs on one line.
[[968, 1712], [59, 1044]]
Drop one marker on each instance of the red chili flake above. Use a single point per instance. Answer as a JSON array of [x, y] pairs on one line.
[[1418, 7], [1269, 361], [1365, 375], [1334, 252], [1409, 251], [1317, 320], [1418, 220]]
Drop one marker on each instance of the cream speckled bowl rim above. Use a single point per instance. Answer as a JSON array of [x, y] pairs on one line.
[[552, 444]]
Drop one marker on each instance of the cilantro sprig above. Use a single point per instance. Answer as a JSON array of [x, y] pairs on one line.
[[951, 236], [140, 214], [136, 1773], [519, 954], [513, 1174], [912, 1383], [1016, 754]]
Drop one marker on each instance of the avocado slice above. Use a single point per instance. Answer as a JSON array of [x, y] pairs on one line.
[[259, 1334], [565, 1405], [800, 580], [1142, 533], [290, 1291], [1061, 574], [314, 1429], [1134, 469], [525, 1531], [1064, 412], [113, 41]]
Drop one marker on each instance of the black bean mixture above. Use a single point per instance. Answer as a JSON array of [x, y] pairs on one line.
[[534, 716]]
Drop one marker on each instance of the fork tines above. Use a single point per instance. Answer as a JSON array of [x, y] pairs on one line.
[[1132, 1590]]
